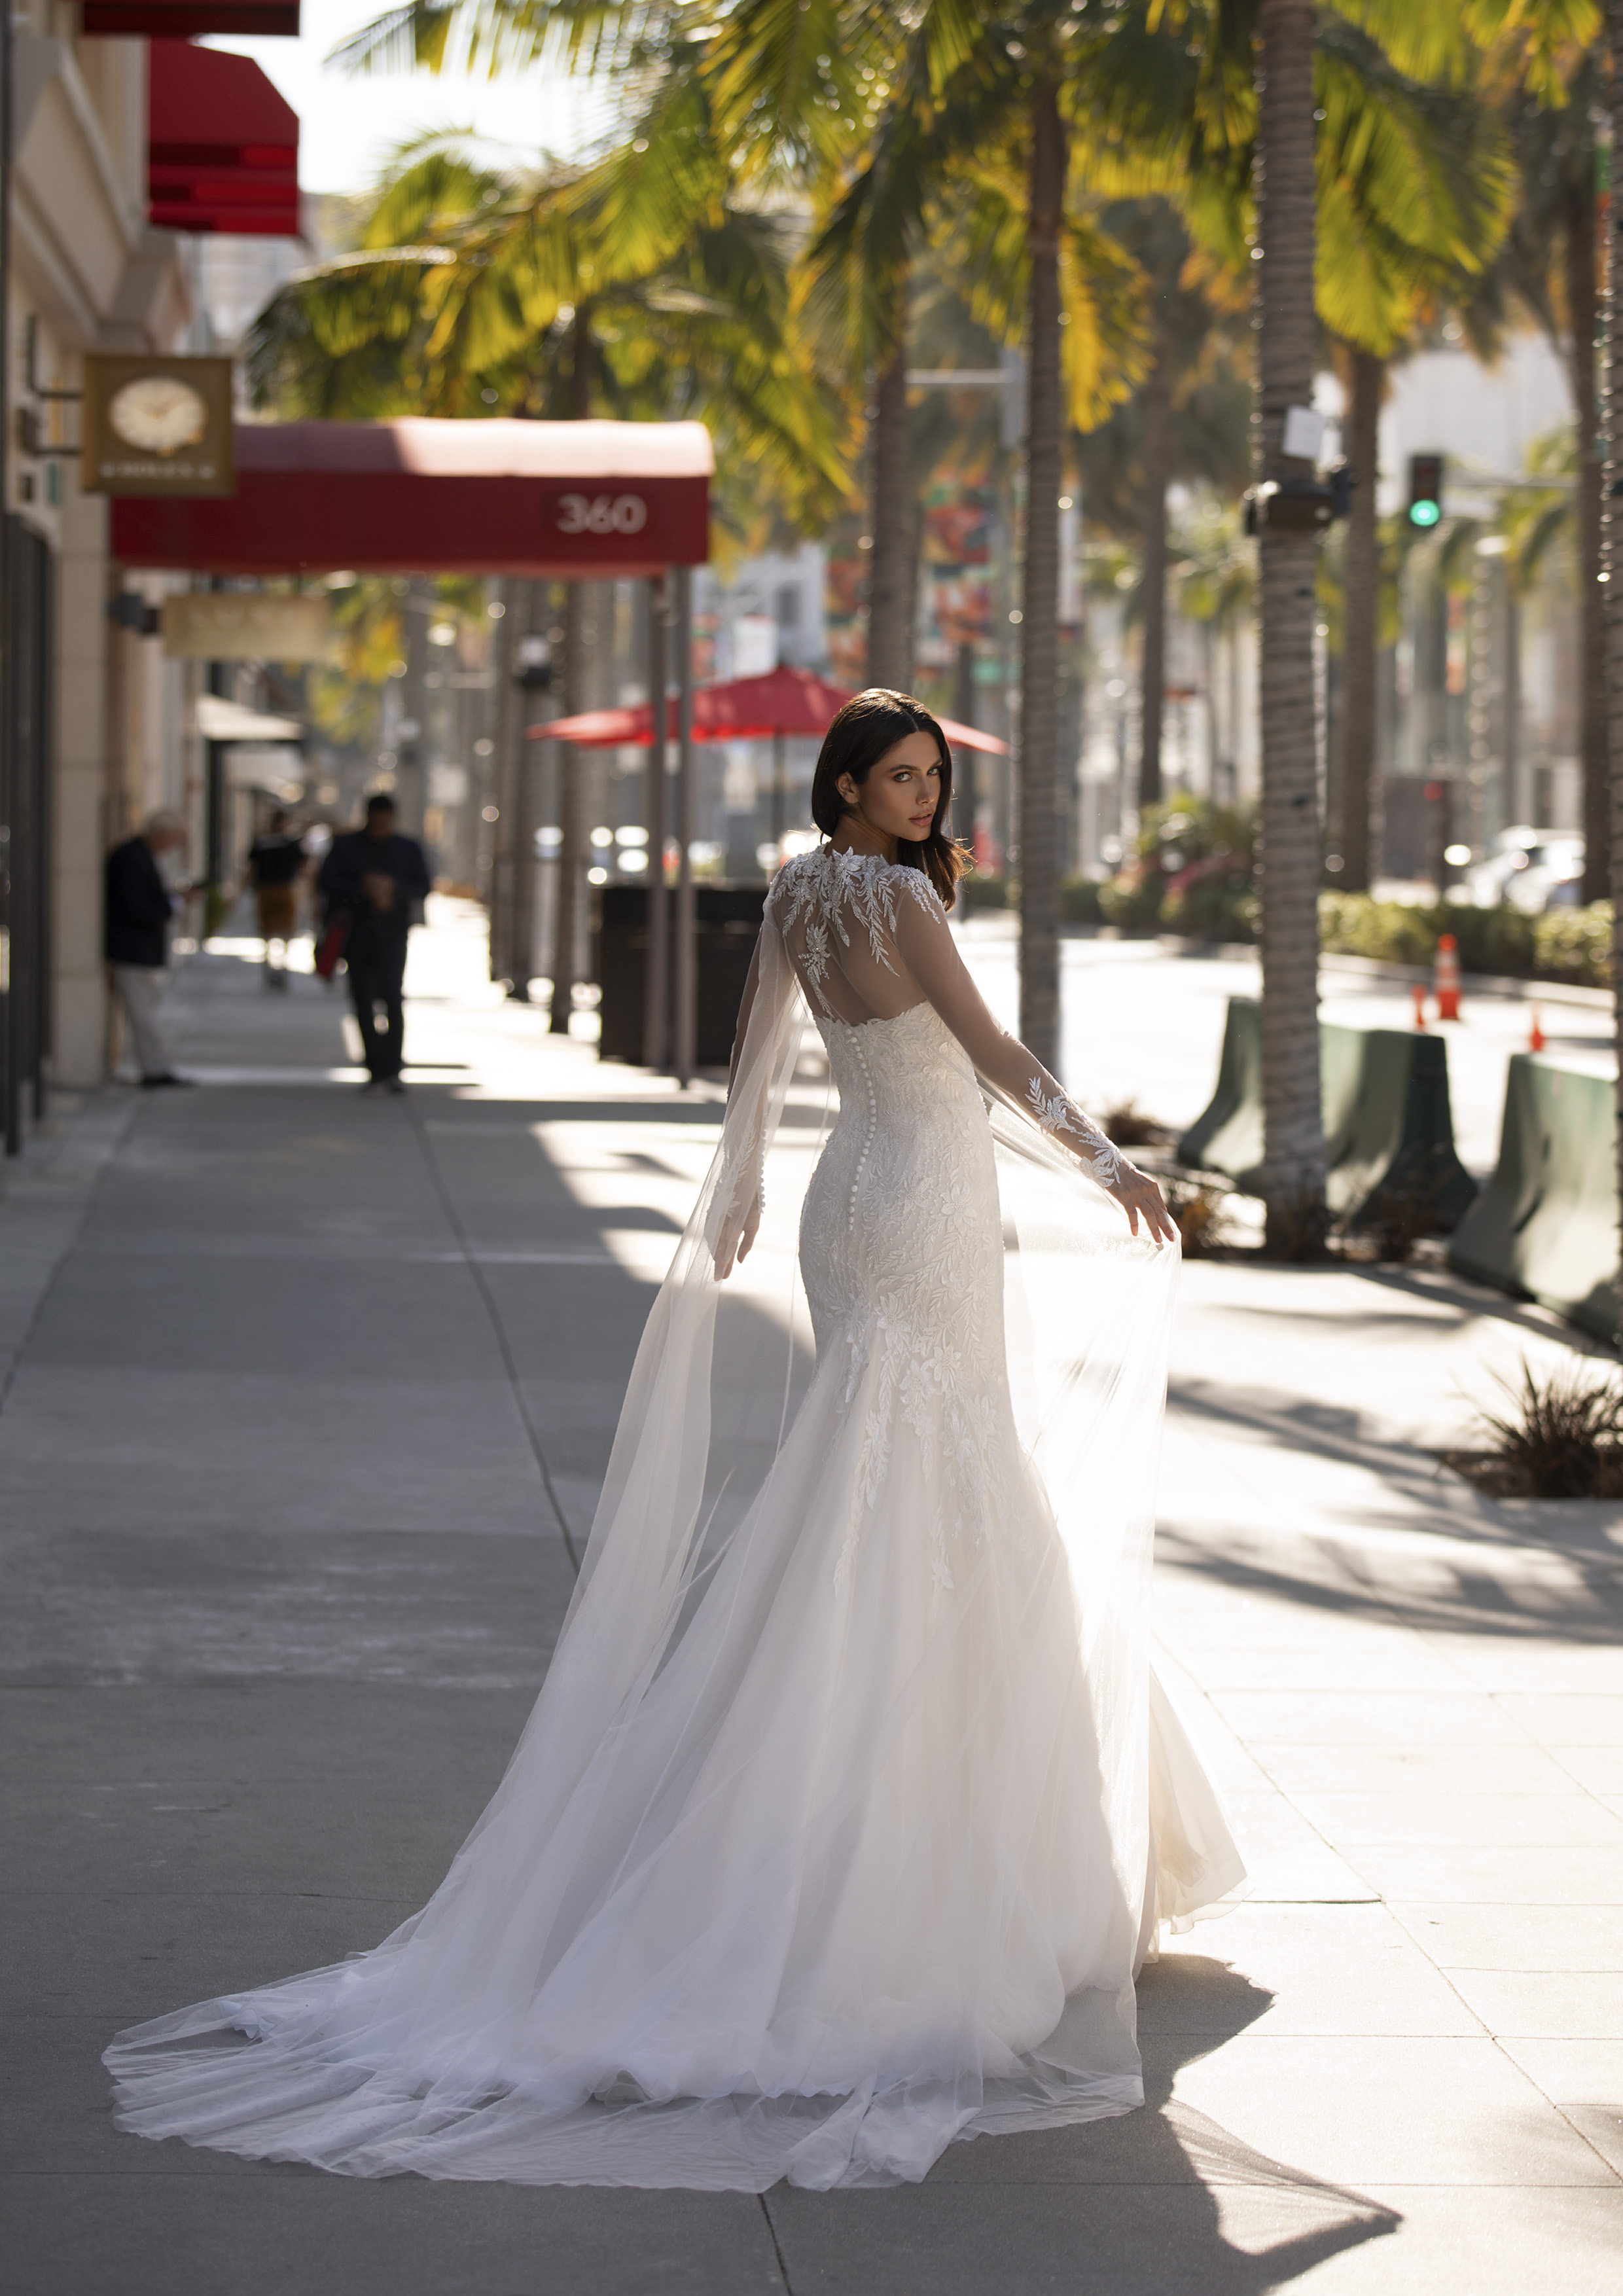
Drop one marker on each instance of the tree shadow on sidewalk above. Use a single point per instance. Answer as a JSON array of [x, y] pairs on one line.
[[1142, 2205]]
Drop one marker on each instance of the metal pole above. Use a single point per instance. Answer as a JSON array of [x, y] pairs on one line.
[[687, 965], [656, 969], [216, 678], [411, 761]]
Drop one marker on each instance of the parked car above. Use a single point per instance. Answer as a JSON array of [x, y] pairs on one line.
[[1532, 869]]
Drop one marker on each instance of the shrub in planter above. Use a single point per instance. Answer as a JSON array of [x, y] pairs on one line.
[[1132, 899], [1080, 901], [1216, 903], [1574, 945], [1489, 940], [1352, 924], [977, 892], [1561, 944]]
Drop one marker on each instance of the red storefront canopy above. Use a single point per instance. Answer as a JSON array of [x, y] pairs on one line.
[[223, 147], [185, 20], [749, 709], [537, 499]]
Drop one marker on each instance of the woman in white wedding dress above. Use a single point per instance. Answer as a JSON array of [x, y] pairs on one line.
[[849, 1806]]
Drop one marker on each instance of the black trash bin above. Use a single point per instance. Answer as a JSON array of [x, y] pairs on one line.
[[729, 924]]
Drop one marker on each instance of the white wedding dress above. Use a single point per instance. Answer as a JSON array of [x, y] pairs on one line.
[[847, 1811]]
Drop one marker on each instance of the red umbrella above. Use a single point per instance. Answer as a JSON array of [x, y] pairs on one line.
[[749, 709]]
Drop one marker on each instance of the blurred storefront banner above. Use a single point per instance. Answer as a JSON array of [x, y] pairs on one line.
[[244, 626]]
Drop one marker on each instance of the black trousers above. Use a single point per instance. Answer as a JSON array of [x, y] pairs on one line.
[[376, 966]]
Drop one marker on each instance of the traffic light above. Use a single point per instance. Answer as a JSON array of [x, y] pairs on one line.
[[1425, 489]]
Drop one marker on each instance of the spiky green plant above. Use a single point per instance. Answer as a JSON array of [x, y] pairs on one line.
[[1563, 1434]]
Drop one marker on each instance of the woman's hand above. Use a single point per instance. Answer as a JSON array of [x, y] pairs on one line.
[[1138, 1195], [738, 1233]]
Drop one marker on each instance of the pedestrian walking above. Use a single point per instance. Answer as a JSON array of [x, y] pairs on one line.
[[376, 880], [139, 910], [275, 863]]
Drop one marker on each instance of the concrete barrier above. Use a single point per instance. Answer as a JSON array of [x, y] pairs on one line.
[[1389, 1129], [1545, 1226]]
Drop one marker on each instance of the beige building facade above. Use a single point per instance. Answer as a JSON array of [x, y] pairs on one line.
[[96, 734]]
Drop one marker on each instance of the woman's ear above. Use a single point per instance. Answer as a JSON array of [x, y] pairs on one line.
[[846, 788]]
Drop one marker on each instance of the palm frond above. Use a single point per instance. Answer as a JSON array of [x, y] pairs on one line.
[[588, 36]]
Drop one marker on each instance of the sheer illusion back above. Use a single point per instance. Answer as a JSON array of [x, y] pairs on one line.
[[840, 916], [868, 939], [849, 1802]]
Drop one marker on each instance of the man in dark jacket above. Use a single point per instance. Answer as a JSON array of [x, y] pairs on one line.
[[139, 907], [376, 879]]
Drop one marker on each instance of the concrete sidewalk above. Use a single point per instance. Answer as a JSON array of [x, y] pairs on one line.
[[306, 1398]]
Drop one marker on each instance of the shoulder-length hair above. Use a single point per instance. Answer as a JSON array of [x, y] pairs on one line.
[[870, 725]]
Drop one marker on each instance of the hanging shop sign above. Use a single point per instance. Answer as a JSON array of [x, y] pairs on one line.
[[158, 426], [243, 626]]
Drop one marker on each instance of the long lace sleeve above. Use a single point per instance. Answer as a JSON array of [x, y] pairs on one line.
[[932, 955]]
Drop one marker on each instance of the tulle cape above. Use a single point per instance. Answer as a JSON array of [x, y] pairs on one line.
[[717, 1734]]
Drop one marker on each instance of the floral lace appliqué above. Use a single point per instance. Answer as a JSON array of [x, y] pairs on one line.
[[1056, 1113], [823, 894]]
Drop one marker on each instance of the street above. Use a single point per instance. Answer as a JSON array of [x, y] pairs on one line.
[[307, 1398]]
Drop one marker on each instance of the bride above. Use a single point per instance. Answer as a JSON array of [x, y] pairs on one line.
[[849, 1806]]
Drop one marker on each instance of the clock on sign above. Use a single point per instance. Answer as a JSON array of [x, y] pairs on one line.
[[158, 426]]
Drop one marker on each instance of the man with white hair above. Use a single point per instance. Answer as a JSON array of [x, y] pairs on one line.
[[139, 907]]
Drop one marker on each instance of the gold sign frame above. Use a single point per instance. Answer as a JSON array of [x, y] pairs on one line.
[[155, 425]]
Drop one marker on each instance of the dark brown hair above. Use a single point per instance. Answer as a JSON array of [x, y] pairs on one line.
[[870, 725]]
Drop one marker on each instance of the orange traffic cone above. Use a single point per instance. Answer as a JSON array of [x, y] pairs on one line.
[[1535, 1034], [1445, 978], [1419, 994]]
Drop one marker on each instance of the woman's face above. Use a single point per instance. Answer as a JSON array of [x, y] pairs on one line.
[[902, 791]]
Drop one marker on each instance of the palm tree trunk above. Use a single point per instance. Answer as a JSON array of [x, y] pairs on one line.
[[1582, 312], [1155, 419], [1612, 544], [1352, 777], [891, 519], [1293, 1137], [1039, 944], [572, 823]]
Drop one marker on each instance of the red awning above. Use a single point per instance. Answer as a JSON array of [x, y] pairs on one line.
[[223, 147], [535, 499], [185, 19], [749, 709]]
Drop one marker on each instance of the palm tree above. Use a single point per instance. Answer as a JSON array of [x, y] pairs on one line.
[[1322, 201], [1217, 585], [859, 273], [1550, 263], [1015, 108], [1190, 417], [1416, 193], [1293, 1152], [636, 287], [998, 96]]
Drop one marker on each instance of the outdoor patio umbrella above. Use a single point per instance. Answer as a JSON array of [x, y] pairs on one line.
[[747, 709]]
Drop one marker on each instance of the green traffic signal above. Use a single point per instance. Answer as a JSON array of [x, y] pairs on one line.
[[1425, 489]]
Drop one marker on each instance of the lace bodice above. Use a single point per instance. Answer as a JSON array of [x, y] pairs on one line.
[[869, 939]]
